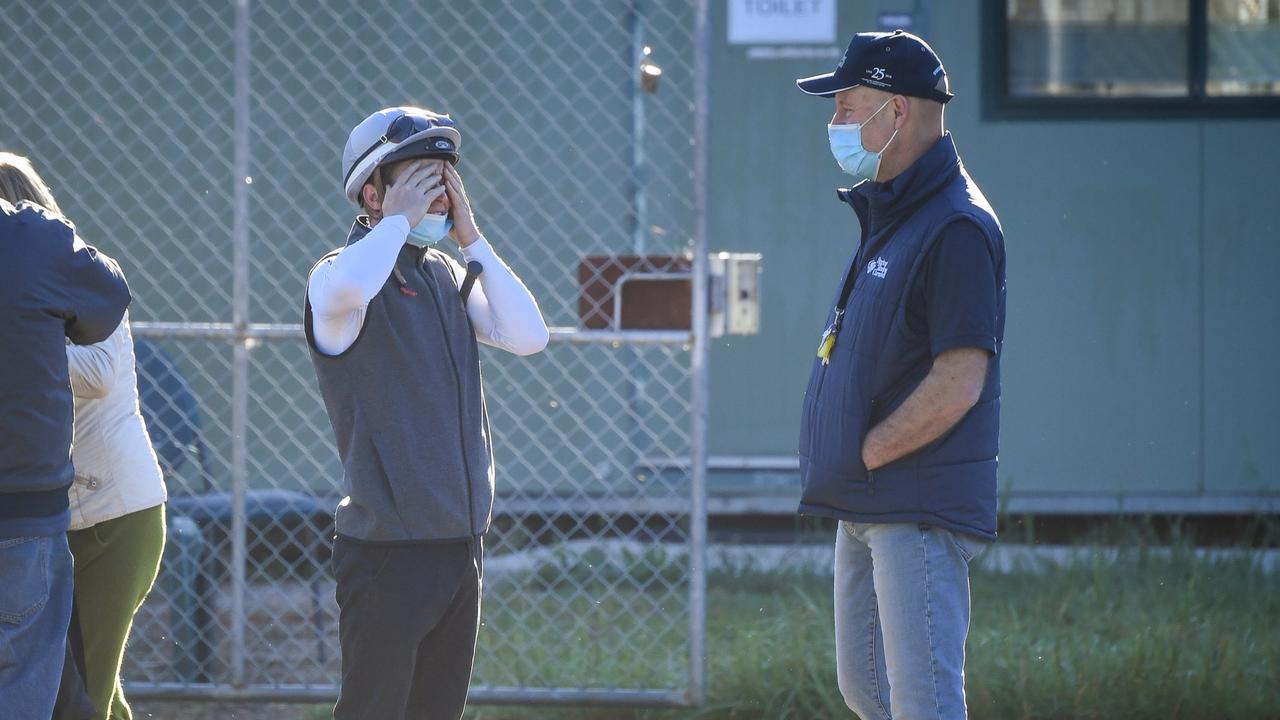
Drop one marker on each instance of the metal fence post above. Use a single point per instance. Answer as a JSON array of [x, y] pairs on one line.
[[700, 384], [240, 357], [640, 199]]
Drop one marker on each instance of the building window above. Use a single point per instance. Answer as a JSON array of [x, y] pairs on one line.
[[1050, 59], [1244, 48]]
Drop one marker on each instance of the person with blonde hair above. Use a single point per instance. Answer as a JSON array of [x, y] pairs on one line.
[[116, 501]]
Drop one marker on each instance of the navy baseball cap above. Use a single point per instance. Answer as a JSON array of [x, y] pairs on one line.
[[896, 62]]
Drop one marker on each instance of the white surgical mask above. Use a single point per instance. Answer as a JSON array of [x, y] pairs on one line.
[[853, 158], [430, 231]]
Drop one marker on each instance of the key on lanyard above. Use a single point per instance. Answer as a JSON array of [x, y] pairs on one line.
[[828, 342]]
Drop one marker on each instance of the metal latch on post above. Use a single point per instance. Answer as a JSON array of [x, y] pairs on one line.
[[735, 293]]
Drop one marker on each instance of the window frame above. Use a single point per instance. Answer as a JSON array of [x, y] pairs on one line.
[[998, 104]]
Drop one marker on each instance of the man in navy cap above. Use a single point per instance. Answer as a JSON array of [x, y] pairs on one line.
[[899, 432]]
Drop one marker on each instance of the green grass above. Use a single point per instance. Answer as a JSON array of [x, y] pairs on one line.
[[1153, 636]]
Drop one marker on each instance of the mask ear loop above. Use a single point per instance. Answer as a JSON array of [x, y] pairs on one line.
[[877, 112], [886, 145]]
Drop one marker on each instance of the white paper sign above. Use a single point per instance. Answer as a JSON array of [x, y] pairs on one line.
[[774, 22]]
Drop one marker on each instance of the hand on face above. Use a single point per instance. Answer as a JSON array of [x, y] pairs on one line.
[[464, 230], [414, 192], [441, 205]]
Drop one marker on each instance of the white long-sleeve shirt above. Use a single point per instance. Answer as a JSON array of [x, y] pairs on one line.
[[501, 308]]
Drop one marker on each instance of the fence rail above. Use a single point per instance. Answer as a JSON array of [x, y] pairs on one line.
[[294, 331]]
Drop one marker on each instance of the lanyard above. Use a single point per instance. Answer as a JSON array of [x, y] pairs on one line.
[[828, 342]]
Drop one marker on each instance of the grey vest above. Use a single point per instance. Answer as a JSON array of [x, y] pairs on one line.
[[407, 410]]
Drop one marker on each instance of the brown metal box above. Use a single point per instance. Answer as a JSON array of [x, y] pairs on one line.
[[652, 299]]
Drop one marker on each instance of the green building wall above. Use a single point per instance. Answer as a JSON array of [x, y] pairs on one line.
[[1143, 316]]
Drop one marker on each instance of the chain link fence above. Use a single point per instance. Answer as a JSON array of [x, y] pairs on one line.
[[200, 143]]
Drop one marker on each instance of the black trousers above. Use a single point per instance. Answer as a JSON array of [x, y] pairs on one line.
[[73, 701], [407, 624]]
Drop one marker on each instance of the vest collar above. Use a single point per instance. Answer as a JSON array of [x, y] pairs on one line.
[[359, 228], [877, 204], [362, 226]]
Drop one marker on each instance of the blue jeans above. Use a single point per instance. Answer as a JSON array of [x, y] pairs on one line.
[[35, 609], [902, 615]]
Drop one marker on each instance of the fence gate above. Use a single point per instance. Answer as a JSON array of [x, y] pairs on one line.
[[200, 144]]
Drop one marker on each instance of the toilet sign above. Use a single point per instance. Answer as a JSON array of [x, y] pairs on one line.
[[778, 22]]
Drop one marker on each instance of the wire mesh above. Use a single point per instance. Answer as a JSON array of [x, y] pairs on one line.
[[127, 109]]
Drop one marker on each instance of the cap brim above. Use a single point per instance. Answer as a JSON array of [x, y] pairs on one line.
[[826, 85], [436, 132], [425, 145]]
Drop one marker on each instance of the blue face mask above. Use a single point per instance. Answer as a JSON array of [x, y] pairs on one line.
[[853, 158], [430, 231]]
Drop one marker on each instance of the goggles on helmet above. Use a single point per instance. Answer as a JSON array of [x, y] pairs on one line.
[[401, 129]]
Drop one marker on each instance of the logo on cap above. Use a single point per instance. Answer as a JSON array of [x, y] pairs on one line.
[[443, 144], [878, 77]]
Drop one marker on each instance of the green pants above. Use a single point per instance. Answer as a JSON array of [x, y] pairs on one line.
[[116, 562]]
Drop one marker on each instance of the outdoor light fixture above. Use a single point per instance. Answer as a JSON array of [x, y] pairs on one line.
[[650, 72]]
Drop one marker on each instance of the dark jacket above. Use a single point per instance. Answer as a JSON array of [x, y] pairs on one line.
[[877, 362], [52, 287], [408, 412]]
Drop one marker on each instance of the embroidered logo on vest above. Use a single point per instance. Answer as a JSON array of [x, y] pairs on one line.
[[878, 267]]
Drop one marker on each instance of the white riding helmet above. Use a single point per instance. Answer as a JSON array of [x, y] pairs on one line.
[[395, 134]]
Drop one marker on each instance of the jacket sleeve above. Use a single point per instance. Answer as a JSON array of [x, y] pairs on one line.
[[94, 294], [93, 367]]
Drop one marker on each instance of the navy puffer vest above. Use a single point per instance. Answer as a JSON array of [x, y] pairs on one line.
[[877, 363]]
